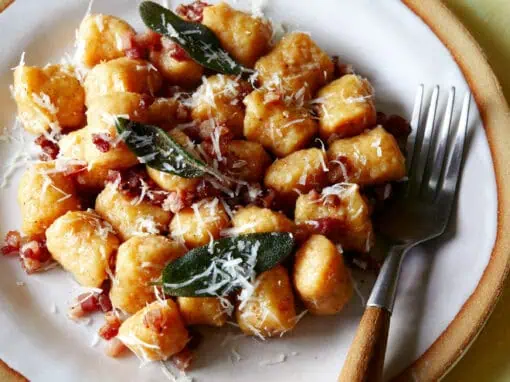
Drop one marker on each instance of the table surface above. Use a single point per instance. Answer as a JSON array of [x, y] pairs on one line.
[[488, 359]]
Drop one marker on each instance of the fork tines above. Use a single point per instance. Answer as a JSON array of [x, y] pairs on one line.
[[435, 150]]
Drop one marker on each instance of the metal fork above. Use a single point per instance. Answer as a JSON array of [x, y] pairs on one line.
[[420, 214]]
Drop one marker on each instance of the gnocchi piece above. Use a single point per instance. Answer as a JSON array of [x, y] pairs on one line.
[[72, 146], [280, 127], [220, 97], [48, 98], [101, 125], [44, 194], [129, 216], [249, 160], [346, 107], [296, 67], [196, 225], [297, 173], [202, 311], [155, 332], [83, 244], [102, 110], [245, 37], [254, 219], [140, 261], [372, 157], [321, 279], [122, 75], [175, 66], [342, 207], [102, 38], [270, 311], [167, 112], [170, 182]]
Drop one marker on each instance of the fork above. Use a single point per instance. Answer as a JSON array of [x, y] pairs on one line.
[[420, 213]]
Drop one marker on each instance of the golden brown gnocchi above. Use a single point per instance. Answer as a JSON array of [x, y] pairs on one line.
[[344, 205], [202, 311], [270, 311], [245, 37], [346, 107], [83, 244], [369, 158], [321, 279], [44, 194], [248, 160], [140, 261], [297, 66], [122, 75], [49, 98], [297, 173], [102, 38], [155, 332], [254, 219], [131, 216], [280, 127], [198, 224], [175, 66], [220, 98]]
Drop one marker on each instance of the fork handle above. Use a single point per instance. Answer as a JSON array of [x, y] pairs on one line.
[[365, 359]]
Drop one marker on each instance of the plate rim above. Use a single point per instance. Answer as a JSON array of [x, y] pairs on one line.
[[462, 331]]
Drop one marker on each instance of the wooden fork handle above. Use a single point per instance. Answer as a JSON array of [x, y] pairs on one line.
[[365, 359]]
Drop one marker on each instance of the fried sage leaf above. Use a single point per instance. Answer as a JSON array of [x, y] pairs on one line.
[[196, 39], [159, 150], [226, 264]]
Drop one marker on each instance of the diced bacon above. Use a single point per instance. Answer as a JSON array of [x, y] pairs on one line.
[[174, 50], [102, 142], [104, 302], [49, 148], [33, 256], [12, 243], [206, 190], [89, 302], [135, 183], [192, 12], [111, 327], [115, 348], [330, 227]]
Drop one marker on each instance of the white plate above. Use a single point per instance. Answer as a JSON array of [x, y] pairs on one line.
[[385, 42]]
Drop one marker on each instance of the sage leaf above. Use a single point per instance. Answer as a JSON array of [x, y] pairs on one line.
[[154, 147], [196, 39], [225, 265]]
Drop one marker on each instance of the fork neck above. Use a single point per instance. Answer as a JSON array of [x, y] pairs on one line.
[[385, 287]]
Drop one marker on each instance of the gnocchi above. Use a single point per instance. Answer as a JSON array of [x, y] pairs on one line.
[[49, 98], [155, 332], [83, 244], [321, 278], [140, 261]]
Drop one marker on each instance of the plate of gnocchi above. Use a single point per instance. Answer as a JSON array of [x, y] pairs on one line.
[[189, 191]]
